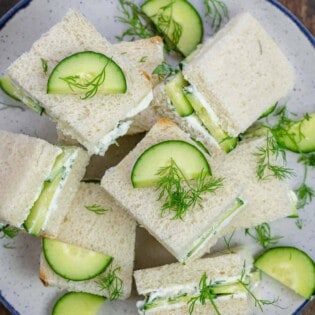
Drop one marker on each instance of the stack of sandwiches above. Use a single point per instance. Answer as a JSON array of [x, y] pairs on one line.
[[241, 59]]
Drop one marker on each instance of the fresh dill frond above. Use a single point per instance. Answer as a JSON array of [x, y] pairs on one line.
[[44, 65], [97, 209], [305, 193], [112, 284], [164, 70], [299, 223], [139, 24], [307, 159], [228, 240], [217, 11], [267, 155], [245, 283], [206, 294], [8, 231], [179, 194], [90, 85], [263, 235]]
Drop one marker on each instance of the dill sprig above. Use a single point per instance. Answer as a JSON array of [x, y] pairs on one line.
[[112, 284], [304, 192], [179, 194], [206, 294], [91, 86], [263, 235], [228, 240], [44, 65], [164, 70], [167, 25], [244, 281], [217, 12], [8, 231], [97, 209], [140, 25], [267, 156]]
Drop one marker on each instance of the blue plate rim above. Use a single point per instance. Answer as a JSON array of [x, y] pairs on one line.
[[24, 3]]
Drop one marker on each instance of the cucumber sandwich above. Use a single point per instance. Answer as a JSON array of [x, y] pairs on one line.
[[38, 181], [228, 82], [96, 243], [206, 200], [87, 87], [214, 285]]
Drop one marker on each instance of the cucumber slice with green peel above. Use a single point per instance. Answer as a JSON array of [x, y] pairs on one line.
[[17, 94], [78, 303], [8, 88], [298, 136], [36, 218], [226, 142], [73, 262], [87, 72], [174, 90], [290, 266], [188, 158], [178, 20]]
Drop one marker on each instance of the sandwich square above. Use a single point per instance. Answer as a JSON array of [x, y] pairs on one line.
[[194, 234], [94, 122], [111, 233]]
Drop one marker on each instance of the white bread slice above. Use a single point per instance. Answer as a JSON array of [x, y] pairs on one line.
[[267, 200], [176, 277], [177, 236], [60, 208], [240, 73], [25, 163], [190, 124], [146, 54], [112, 233], [95, 122]]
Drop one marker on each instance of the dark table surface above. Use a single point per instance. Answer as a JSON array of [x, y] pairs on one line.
[[303, 9]]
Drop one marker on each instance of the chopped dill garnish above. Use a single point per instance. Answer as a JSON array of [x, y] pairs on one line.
[[228, 240], [143, 59], [112, 284], [179, 194], [299, 223], [44, 65], [217, 12], [304, 192], [8, 231], [163, 71], [263, 235], [92, 85], [97, 209], [267, 156], [140, 25], [206, 294]]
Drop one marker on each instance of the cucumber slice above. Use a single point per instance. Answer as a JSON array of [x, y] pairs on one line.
[[86, 70], [226, 142], [36, 218], [188, 158], [299, 136], [178, 20], [17, 94], [8, 88], [174, 90], [290, 266], [78, 303], [73, 262]]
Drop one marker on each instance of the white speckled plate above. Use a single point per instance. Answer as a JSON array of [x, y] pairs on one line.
[[20, 287]]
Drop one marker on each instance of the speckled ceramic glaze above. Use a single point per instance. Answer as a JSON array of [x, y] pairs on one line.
[[19, 283]]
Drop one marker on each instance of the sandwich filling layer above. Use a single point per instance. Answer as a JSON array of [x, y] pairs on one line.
[[221, 289], [47, 201]]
